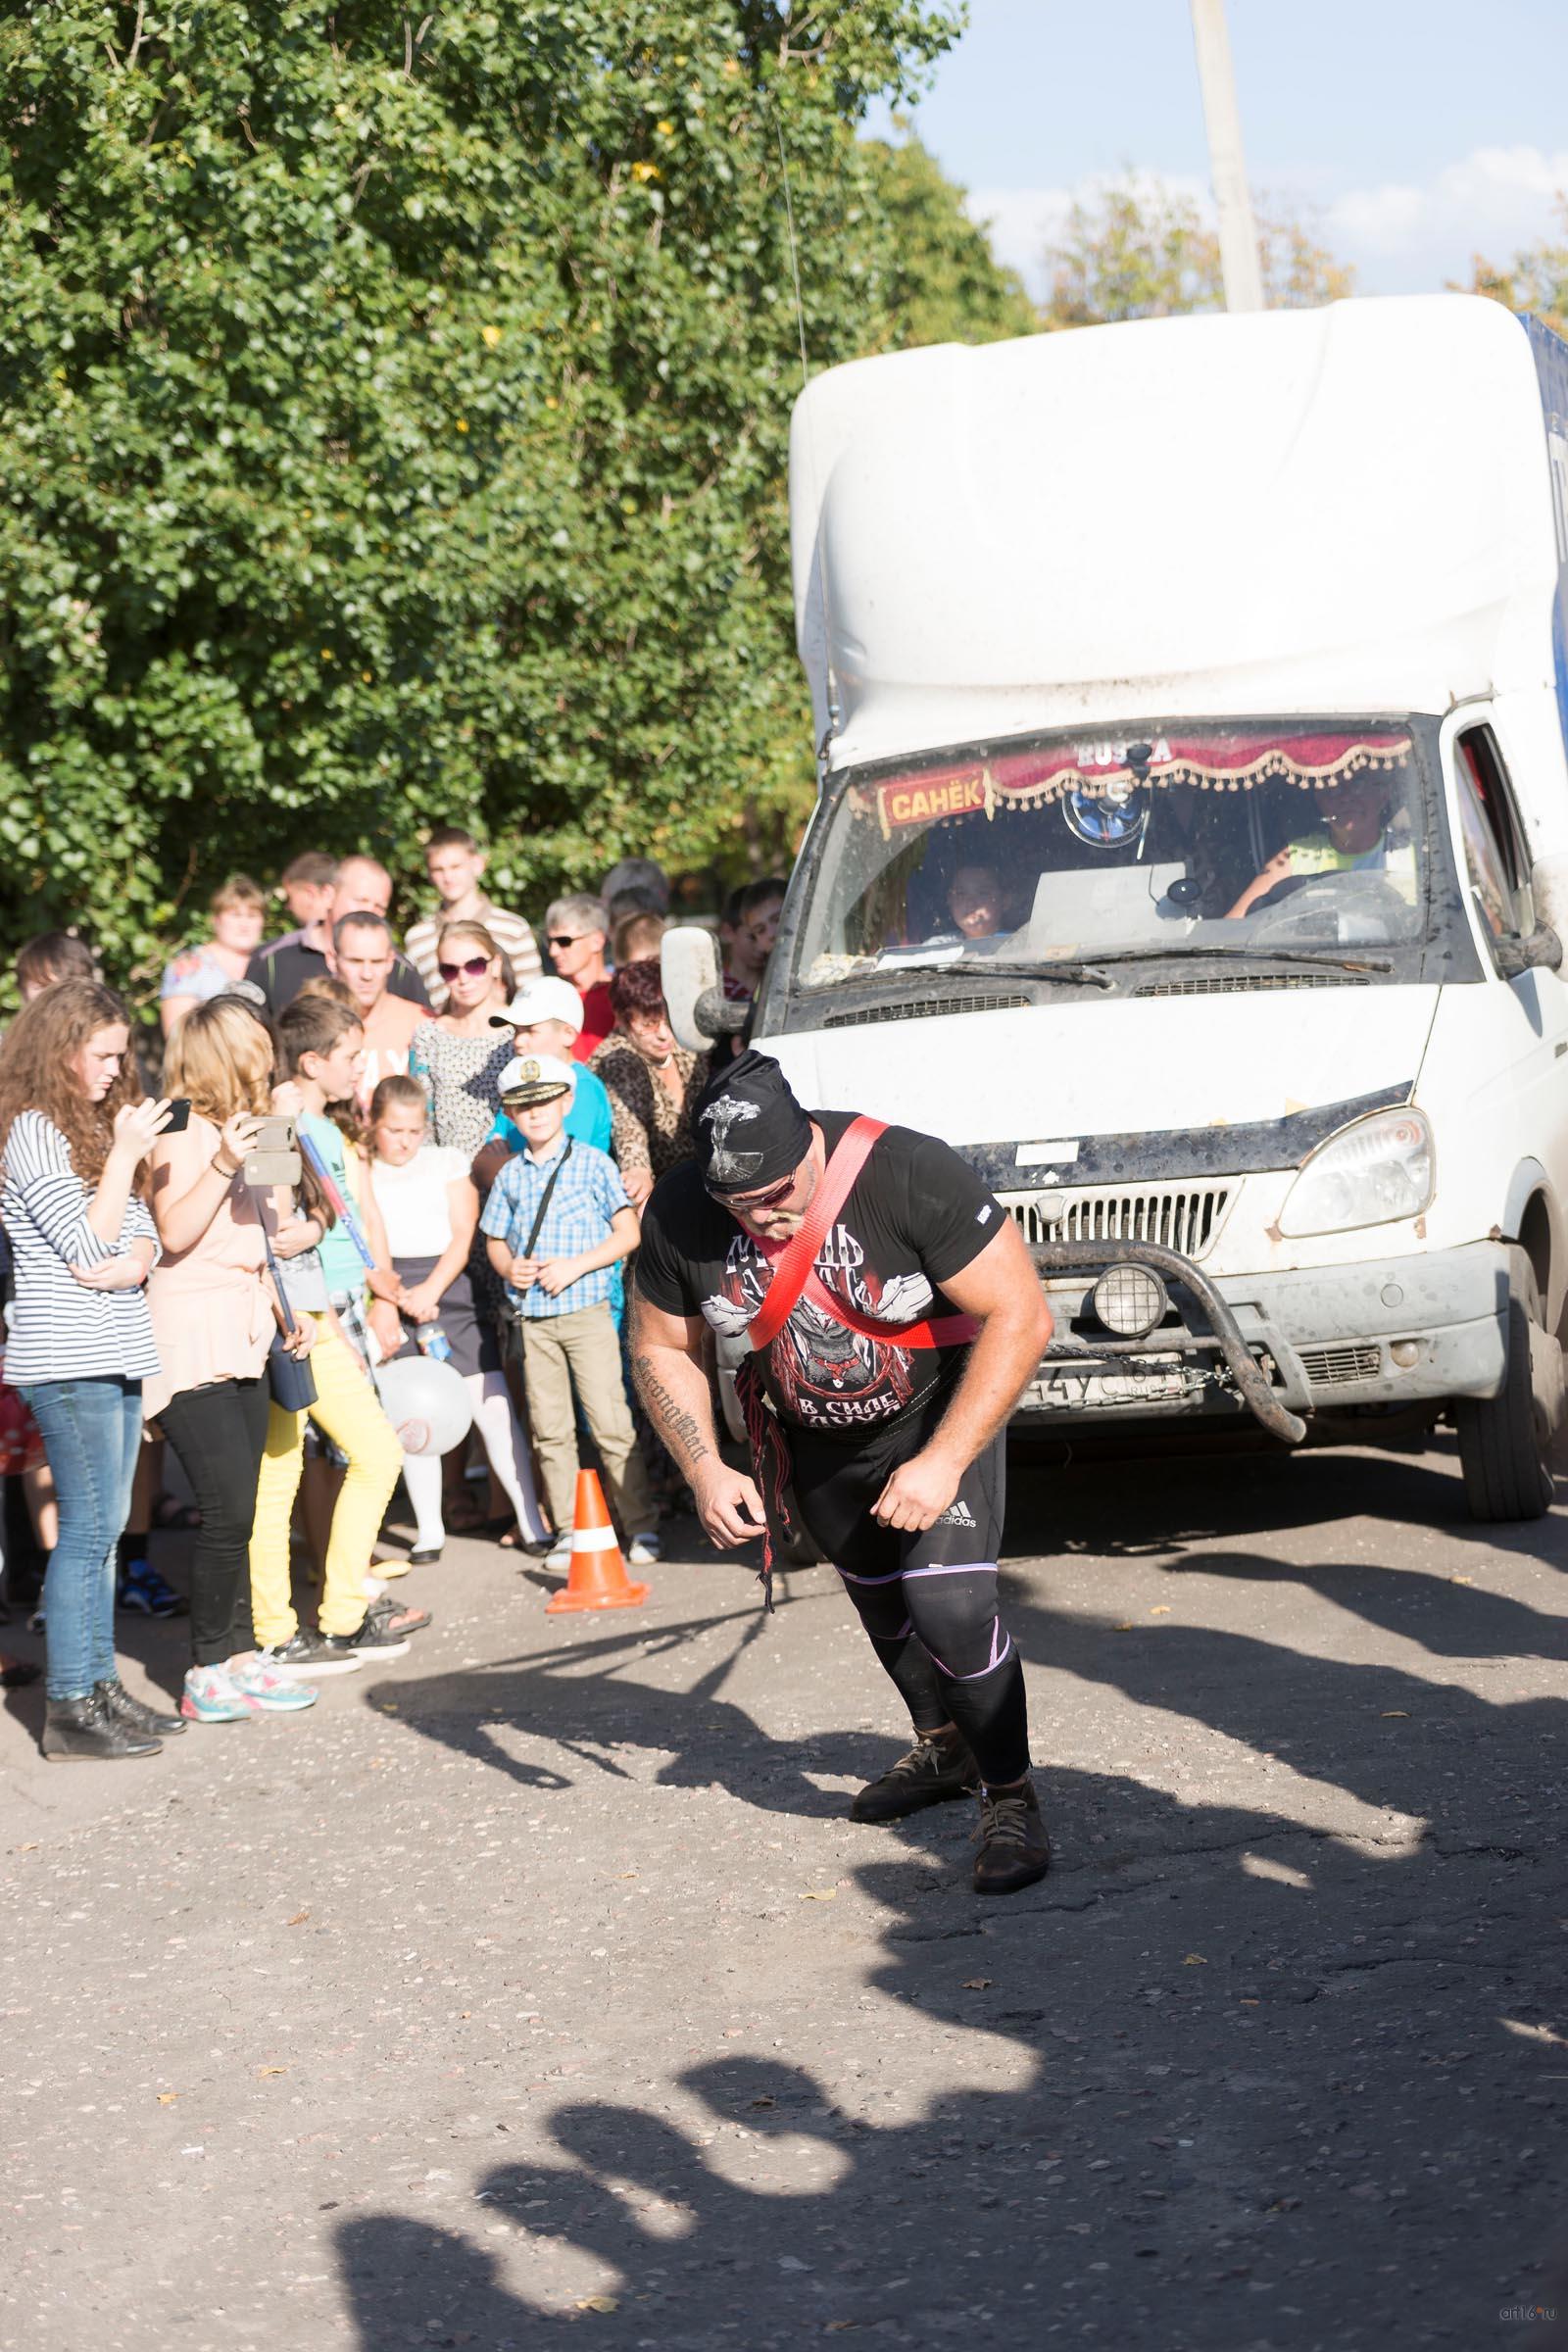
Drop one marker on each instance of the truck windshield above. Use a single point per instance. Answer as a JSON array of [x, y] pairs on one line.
[[1195, 839]]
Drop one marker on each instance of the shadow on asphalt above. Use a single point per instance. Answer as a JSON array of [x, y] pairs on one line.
[[1269, 2090]]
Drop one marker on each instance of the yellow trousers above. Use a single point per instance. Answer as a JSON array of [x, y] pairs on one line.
[[349, 1411]]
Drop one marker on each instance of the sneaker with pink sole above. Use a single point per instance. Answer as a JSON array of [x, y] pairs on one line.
[[212, 1695]]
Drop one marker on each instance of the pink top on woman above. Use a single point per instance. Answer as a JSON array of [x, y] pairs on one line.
[[211, 1306]]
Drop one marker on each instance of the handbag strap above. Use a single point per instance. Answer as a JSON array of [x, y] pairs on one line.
[[289, 1314], [847, 1157], [544, 1201], [337, 1200]]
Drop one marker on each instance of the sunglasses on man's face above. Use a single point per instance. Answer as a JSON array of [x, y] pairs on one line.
[[758, 1202], [474, 965], [563, 938]]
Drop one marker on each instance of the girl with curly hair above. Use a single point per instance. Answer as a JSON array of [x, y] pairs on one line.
[[75, 1130]]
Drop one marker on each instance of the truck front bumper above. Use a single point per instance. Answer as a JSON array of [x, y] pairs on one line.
[[1323, 1339]]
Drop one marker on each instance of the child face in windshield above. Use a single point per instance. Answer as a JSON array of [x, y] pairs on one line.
[[1354, 815], [974, 902]]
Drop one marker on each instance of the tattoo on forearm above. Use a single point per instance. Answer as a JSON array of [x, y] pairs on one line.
[[675, 1423]]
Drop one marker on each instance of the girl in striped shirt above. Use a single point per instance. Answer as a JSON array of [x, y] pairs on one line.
[[74, 1130]]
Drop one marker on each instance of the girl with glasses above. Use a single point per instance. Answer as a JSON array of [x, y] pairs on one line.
[[459, 1055]]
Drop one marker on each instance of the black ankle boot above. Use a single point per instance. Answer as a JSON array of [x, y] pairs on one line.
[[120, 1707], [81, 1730]]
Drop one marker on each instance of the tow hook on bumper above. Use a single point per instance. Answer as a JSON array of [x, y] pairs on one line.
[[1061, 1257]]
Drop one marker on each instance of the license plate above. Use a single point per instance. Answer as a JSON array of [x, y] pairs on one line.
[[1074, 1391]]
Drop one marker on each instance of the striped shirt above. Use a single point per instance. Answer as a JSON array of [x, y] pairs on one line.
[[586, 1198], [58, 1328], [510, 932]]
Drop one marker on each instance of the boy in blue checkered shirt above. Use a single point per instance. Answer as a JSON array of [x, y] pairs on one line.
[[557, 1219]]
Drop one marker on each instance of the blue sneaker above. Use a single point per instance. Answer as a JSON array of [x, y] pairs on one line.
[[140, 1588], [257, 1679]]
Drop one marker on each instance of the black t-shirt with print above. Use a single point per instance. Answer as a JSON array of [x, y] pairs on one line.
[[914, 1217]]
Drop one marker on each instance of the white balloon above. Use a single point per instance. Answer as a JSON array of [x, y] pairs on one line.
[[425, 1402]]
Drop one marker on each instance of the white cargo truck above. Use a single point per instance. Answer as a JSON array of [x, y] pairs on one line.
[[1193, 698]]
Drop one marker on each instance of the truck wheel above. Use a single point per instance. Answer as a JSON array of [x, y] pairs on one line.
[[1505, 1442]]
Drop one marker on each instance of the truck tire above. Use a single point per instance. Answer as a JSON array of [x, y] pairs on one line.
[[1506, 1440]]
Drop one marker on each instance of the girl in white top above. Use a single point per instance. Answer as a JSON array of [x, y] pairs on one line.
[[430, 1207]]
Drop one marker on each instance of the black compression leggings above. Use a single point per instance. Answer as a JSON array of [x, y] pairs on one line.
[[927, 1601], [937, 1632]]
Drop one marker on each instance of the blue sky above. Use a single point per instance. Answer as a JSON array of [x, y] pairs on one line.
[[1421, 130]]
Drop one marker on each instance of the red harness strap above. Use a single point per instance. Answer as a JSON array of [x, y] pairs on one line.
[[794, 1274], [795, 1271]]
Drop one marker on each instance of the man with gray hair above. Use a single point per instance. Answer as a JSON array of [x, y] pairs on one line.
[[577, 931]]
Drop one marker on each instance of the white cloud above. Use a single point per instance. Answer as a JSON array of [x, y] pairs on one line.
[[1024, 221], [1493, 201], [1403, 237]]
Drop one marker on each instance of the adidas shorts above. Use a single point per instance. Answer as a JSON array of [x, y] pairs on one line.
[[836, 1483]]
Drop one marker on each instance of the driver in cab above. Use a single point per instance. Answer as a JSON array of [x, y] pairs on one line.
[[1350, 834]]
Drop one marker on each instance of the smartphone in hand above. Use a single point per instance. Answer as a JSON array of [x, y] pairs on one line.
[[274, 1157]]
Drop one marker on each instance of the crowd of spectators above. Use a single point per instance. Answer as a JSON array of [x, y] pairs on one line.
[[369, 1224]]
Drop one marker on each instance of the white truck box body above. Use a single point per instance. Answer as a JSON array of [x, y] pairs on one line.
[[1348, 519]]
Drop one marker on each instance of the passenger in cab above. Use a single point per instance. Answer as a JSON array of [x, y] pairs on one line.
[[1350, 833], [974, 902]]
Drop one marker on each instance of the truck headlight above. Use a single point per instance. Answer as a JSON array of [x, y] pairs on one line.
[[1380, 1169]]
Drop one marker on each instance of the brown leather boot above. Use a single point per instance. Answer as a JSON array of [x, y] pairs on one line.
[[935, 1769], [1015, 1849]]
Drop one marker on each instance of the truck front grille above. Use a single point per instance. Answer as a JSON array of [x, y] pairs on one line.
[[1184, 1217], [923, 1008], [1232, 984], [1333, 1368]]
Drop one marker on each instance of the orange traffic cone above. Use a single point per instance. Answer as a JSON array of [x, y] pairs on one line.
[[598, 1579]]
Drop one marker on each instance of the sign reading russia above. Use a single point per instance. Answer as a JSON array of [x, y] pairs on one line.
[[1222, 760]]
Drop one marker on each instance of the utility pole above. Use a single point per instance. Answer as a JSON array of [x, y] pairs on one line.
[[1227, 166]]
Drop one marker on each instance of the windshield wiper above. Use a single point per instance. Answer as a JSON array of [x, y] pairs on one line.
[[963, 975], [1083, 975], [1339, 964]]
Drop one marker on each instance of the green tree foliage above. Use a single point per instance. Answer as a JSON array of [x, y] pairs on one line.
[[395, 428], [946, 286], [1142, 252], [1536, 279]]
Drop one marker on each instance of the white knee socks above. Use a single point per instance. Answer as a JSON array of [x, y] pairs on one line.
[[501, 1434], [422, 1477]]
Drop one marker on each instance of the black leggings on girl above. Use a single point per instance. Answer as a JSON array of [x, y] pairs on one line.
[[928, 1602], [219, 1433]]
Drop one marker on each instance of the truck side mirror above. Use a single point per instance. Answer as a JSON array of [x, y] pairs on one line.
[[1549, 890], [1541, 949]]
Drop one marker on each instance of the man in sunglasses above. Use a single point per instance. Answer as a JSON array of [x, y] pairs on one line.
[[878, 1385], [577, 933]]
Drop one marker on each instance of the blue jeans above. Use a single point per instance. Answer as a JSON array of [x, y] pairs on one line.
[[91, 1432]]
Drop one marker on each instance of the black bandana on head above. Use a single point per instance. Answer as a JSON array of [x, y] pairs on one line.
[[749, 1130]]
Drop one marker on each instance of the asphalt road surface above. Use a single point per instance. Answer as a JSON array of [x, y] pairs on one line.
[[536, 1982]]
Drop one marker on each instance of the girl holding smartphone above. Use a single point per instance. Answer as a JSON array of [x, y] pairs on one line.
[[214, 1312], [74, 1132]]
